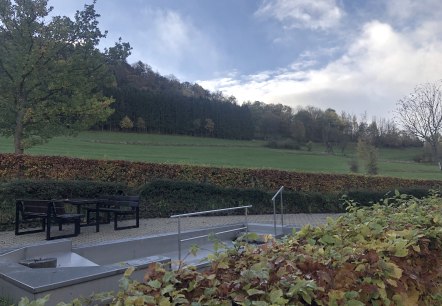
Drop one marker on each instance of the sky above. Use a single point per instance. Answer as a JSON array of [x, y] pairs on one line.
[[357, 56]]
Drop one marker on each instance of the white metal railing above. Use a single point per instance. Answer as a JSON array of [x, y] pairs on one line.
[[279, 192], [180, 241]]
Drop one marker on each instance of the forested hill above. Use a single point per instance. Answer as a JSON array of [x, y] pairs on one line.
[[149, 102]]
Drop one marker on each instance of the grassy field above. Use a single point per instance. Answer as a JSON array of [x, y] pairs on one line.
[[223, 153]]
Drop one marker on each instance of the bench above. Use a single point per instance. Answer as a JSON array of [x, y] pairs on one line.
[[118, 205], [46, 212]]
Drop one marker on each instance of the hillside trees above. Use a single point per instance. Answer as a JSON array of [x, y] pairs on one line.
[[126, 123], [51, 72], [332, 129], [271, 120], [368, 154], [170, 107], [421, 114]]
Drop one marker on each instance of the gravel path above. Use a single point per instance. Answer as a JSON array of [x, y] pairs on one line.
[[8, 240]]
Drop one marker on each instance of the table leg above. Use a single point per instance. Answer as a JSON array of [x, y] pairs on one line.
[[97, 218]]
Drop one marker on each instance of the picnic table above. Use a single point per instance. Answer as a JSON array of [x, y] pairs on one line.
[[80, 202]]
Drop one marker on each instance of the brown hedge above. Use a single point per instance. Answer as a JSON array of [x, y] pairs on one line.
[[137, 173]]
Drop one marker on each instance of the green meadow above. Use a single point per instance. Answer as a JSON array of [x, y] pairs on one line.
[[224, 153]]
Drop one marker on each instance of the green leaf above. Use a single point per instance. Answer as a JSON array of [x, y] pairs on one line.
[[194, 249], [38, 302], [168, 276], [254, 291], [392, 270], [401, 252], [275, 296], [167, 289], [328, 239], [164, 302], [129, 271], [351, 294], [124, 283], [260, 303], [156, 284], [306, 297]]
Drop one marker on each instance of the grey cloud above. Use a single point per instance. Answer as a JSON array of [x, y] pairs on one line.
[[315, 15]]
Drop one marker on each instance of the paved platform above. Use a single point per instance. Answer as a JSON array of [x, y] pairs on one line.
[[8, 240]]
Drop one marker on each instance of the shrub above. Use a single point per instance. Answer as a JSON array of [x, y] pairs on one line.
[[383, 255], [354, 165], [418, 158], [366, 197], [284, 144], [369, 155], [137, 174], [164, 198]]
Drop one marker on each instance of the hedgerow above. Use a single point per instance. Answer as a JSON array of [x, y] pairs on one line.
[[165, 197], [137, 174], [388, 254]]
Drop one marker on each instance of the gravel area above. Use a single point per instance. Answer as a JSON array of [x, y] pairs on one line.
[[8, 240]]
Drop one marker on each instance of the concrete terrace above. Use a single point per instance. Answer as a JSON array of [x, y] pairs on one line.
[[148, 227]]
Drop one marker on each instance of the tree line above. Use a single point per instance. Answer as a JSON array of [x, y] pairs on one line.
[[146, 101], [150, 102]]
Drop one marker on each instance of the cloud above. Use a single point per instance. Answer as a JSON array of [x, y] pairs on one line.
[[407, 10], [378, 68], [315, 15], [172, 43]]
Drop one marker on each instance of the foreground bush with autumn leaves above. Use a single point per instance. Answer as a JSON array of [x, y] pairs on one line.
[[388, 254]]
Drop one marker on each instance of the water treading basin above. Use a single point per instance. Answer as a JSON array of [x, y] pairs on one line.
[[94, 268]]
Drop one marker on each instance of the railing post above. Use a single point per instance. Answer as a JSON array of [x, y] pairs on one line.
[[282, 214], [247, 225], [179, 238], [274, 215], [279, 192]]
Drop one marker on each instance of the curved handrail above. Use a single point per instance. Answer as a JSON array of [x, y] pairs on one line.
[[279, 192], [178, 217], [205, 212]]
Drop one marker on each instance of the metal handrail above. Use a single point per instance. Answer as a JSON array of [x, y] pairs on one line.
[[273, 200], [205, 212], [180, 241]]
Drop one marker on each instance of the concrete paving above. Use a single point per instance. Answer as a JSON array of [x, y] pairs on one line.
[[88, 236]]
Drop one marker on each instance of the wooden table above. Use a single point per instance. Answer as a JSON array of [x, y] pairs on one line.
[[79, 202]]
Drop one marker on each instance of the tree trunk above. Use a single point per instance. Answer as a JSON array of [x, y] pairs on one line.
[[435, 149], [18, 135]]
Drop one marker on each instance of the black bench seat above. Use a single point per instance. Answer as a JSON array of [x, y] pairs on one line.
[[47, 212]]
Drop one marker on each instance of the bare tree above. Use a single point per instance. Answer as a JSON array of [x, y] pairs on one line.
[[421, 114]]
